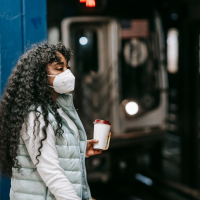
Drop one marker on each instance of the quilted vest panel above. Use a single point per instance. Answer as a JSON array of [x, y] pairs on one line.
[[27, 184]]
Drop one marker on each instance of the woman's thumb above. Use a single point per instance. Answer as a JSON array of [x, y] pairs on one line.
[[94, 141]]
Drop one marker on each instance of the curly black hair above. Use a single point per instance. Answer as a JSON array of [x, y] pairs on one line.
[[27, 85]]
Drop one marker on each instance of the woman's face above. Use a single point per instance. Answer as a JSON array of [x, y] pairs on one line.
[[56, 68]]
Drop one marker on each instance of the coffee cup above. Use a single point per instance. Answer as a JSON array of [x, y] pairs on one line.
[[102, 133]]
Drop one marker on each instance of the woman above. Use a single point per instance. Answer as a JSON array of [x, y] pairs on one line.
[[42, 141]]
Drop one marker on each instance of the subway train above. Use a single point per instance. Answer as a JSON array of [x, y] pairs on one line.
[[120, 73]]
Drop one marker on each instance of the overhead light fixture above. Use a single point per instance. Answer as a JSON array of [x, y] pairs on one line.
[[172, 50]]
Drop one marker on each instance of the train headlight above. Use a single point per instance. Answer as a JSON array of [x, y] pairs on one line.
[[131, 108], [83, 40]]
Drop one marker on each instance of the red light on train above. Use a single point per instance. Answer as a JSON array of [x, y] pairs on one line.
[[89, 3]]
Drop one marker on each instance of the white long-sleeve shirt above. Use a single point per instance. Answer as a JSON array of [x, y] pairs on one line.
[[48, 167]]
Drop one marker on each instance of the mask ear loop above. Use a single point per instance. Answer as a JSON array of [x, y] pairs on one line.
[[51, 75]]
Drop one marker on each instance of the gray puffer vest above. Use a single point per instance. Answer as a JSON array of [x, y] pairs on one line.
[[28, 185]]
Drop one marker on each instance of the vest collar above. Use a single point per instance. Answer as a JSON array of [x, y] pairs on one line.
[[65, 100]]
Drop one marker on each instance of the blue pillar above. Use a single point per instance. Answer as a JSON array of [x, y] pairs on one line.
[[22, 23]]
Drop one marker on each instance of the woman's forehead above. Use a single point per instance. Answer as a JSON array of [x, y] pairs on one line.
[[62, 58]]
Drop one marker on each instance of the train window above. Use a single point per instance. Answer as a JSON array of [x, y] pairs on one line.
[[85, 49], [172, 50]]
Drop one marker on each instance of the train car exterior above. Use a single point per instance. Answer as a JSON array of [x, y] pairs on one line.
[[120, 72]]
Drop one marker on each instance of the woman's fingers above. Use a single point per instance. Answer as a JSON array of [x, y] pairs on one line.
[[90, 150], [94, 141], [91, 142], [93, 152], [98, 151]]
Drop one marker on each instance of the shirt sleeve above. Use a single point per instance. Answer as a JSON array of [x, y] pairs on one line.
[[48, 167]]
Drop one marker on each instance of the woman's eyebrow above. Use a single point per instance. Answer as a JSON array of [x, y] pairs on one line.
[[59, 63]]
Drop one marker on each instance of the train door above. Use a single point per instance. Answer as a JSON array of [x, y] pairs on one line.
[[95, 42]]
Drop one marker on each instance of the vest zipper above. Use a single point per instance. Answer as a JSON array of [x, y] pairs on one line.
[[85, 138], [66, 123]]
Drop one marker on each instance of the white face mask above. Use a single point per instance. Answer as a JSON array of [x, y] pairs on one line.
[[64, 82]]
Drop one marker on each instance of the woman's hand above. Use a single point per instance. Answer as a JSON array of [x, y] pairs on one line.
[[89, 149]]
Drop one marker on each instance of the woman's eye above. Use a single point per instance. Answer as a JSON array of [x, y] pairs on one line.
[[60, 69]]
